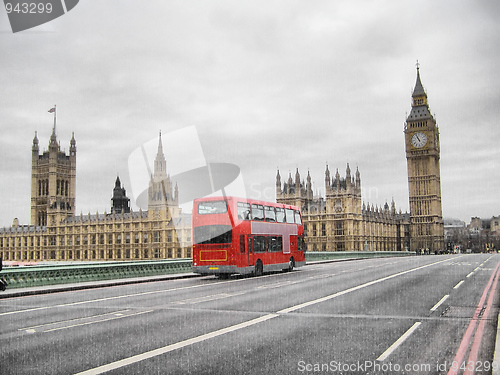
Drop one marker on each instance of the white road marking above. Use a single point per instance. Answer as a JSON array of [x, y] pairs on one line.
[[398, 342], [63, 324], [70, 320], [321, 276], [277, 285], [435, 307], [458, 285], [470, 274], [207, 298], [178, 345], [98, 321]]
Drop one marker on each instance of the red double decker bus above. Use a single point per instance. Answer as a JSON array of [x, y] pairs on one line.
[[245, 236]]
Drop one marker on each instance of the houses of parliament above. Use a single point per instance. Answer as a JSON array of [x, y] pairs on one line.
[[337, 222], [56, 233]]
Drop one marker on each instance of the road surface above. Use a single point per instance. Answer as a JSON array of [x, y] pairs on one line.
[[411, 315]]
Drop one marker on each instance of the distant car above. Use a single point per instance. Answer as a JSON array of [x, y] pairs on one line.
[[3, 283]]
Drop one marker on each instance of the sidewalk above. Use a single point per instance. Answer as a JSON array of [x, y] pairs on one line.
[[46, 289], [496, 356]]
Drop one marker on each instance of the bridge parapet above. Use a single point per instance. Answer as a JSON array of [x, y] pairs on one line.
[[31, 276]]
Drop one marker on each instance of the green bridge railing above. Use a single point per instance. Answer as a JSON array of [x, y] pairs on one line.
[[30, 276]]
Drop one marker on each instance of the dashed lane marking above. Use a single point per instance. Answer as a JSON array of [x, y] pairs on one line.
[[398, 342]]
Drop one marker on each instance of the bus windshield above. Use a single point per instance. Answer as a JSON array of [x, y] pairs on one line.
[[212, 207], [213, 234]]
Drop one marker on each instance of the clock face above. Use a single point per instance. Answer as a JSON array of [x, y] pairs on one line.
[[419, 140]]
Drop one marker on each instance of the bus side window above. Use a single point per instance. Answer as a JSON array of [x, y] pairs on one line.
[[250, 245], [270, 214], [274, 244], [300, 243], [242, 243], [289, 216], [279, 244], [271, 244], [298, 220], [244, 211], [259, 243], [280, 215], [257, 212]]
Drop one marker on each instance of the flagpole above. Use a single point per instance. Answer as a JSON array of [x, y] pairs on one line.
[[55, 119], [53, 110]]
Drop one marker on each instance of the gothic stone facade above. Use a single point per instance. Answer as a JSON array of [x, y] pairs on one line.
[[340, 221], [55, 233]]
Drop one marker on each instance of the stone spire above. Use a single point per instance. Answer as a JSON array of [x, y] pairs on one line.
[[160, 168], [297, 178], [309, 191], [327, 178], [72, 145], [419, 89], [35, 147], [278, 183], [53, 145], [420, 108]]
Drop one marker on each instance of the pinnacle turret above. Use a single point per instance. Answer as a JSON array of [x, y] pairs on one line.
[[419, 108], [35, 143], [419, 88]]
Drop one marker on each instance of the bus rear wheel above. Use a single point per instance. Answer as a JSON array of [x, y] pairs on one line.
[[258, 268]]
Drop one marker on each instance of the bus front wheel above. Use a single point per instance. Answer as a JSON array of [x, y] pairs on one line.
[[258, 268]]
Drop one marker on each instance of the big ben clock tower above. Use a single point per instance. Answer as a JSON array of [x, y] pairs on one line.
[[424, 181]]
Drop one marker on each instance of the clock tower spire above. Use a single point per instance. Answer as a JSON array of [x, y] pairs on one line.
[[424, 176]]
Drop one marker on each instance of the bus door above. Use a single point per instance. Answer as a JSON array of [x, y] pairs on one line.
[[251, 259]]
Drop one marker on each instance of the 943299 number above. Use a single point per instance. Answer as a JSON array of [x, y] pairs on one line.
[[477, 366], [30, 8]]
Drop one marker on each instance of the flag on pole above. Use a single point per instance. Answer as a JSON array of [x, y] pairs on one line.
[[52, 110]]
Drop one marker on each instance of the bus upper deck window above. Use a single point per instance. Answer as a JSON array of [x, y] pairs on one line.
[[289, 216], [257, 212], [244, 212], [280, 215], [298, 220], [270, 214], [212, 207]]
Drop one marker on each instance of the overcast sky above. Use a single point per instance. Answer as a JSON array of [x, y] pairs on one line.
[[267, 84]]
